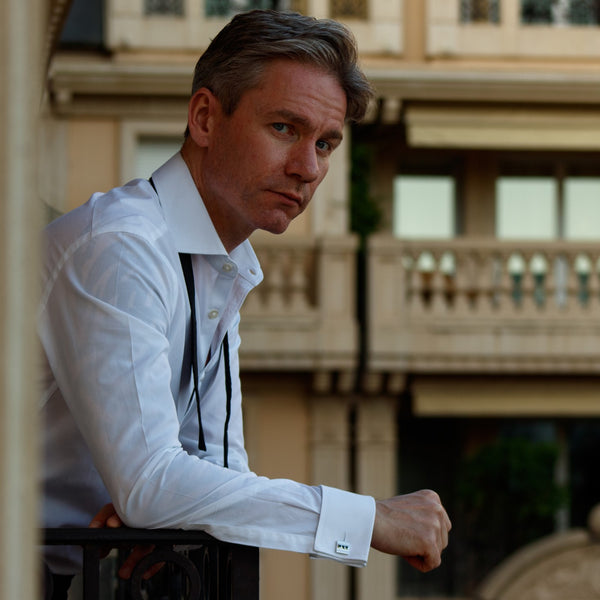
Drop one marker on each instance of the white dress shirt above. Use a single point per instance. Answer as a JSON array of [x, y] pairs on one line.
[[118, 421]]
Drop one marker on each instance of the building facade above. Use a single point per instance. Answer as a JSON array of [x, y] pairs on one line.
[[463, 321]]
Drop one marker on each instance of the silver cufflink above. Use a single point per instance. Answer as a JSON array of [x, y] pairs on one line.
[[342, 547]]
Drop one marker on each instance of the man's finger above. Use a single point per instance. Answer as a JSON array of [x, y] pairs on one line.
[[423, 563], [153, 570], [103, 517], [133, 559]]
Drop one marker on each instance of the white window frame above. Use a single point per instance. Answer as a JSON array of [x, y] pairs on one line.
[[132, 131]]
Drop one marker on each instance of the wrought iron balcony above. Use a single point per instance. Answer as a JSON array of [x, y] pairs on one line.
[[197, 566]]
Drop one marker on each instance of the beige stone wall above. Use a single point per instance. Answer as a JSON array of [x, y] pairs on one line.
[[508, 396], [93, 159], [22, 27], [448, 38], [276, 421]]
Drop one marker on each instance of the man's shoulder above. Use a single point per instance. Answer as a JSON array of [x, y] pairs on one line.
[[129, 209]]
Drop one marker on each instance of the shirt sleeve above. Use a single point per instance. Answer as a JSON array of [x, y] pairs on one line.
[[104, 327], [345, 527]]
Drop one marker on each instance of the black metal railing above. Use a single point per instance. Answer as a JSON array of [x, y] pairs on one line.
[[196, 565]]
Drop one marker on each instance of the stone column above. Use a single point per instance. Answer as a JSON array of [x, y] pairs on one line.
[[22, 26], [376, 476], [330, 466]]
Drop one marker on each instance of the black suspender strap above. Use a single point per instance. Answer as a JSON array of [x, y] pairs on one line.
[[188, 273], [225, 348]]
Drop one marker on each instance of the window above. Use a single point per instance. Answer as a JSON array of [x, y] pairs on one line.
[[549, 206], [546, 208], [224, 8], [84, 26], [145, 145], [560, 12], [581, 208], [152, 151], [480, 11], [424, 206], [526, 208], [349, 9], [164, 7]]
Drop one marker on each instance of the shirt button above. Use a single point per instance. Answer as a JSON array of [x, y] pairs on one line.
[[252, 272], [213, 314], [227, 267]]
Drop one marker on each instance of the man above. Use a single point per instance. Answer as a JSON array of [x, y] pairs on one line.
[[128, 420]]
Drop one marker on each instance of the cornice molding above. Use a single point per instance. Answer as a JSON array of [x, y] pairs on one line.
[[97, 76], [548, 87], [78, 83]]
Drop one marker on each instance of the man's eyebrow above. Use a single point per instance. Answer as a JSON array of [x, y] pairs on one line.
[[296, 119]]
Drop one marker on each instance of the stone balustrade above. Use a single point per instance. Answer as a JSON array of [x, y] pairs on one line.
[[483, 305], [302, 316], [463, 305]]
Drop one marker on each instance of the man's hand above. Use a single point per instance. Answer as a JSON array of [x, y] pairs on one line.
[[107, 517], [414, 526]]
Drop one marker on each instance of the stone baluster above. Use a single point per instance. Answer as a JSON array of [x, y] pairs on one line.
[[275, 282], [253, 305], [585, 265], [594, 285], [463, 278], [438, 286], [582, 265], [573, 304], [416, 287], [298, 282], [551, 304], [528, 301], [540, 268], [506, 287], [486, 282]]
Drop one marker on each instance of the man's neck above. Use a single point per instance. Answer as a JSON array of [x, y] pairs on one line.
[[192, 156]]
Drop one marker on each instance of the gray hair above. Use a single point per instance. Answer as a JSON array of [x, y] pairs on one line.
[[236, 58]]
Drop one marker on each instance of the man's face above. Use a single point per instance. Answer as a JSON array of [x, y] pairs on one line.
[[264, 162]]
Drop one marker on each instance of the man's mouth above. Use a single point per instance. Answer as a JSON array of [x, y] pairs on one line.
[[291, 196]]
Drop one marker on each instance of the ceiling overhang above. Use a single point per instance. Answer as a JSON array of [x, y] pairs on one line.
[[504, 127]]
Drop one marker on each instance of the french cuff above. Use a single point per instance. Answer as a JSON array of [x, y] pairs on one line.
[[345, 527]]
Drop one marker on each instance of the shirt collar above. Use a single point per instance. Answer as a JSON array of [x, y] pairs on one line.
[[189, 221], [185, 213]]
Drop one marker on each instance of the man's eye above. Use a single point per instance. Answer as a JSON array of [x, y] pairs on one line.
[[323, 146], [281, 127]]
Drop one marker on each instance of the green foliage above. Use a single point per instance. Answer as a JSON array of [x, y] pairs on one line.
[[536, 11], [581, 12], [365, 212], [584, 12], [506, 497]]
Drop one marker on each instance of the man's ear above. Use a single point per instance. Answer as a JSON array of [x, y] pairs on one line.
[[202, 110]]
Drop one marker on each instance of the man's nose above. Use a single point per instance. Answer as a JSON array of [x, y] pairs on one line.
[[304, 163]]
